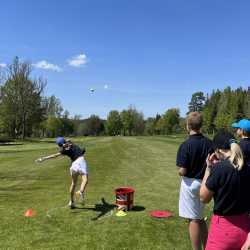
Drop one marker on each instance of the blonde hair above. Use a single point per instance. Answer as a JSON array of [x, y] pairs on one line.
[[194, 120], [236, 157]]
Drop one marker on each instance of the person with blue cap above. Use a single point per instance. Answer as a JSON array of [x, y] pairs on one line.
[[243, 131], [78, 166]]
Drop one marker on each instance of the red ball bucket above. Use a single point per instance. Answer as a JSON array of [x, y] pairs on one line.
[[124, 198]]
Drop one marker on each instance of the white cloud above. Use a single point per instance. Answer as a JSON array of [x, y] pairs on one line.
[[3, 65], [106, 86], [47, 66], [78, 61]]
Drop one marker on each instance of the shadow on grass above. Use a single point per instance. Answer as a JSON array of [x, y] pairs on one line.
[[104, 209], [41, 141], [10, 144], [138, 209], [28, 177]]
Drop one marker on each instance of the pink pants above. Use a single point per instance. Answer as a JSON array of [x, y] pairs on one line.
[[228, 232]]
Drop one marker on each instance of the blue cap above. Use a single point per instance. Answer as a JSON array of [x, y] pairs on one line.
[[243, 124], [60, 141]]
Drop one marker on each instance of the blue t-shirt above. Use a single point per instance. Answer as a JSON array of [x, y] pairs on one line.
[[192, 155], [245, 148]]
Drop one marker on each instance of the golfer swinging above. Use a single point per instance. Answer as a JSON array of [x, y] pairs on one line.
[[78, 166]]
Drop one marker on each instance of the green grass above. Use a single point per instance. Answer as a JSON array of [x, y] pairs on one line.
[[145, 163]]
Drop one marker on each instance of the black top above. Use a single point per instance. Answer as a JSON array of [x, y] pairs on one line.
[[192, 155], [230, 187], [73, 151], [245, 147]]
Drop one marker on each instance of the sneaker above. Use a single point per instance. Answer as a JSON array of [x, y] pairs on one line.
[[80, 196], [71, 205]]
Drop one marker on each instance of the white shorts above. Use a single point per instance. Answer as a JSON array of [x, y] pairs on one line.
[[79, 166], [190, 206]]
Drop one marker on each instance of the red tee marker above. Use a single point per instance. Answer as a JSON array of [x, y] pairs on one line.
[[161, 214], [29, 213]]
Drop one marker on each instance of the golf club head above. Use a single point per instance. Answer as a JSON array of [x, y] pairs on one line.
[[38, 161]]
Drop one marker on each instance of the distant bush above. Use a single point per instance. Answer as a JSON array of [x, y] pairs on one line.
[[5, 139]]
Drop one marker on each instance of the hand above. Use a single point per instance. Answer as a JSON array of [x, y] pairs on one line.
[[211, 159], [208, 160], [214, 159]]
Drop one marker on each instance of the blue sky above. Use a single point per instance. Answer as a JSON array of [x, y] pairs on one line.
[[150, 54]]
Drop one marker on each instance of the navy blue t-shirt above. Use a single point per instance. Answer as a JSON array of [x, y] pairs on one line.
[[73, 151], [231, 188], [245, 147], [192, 155]]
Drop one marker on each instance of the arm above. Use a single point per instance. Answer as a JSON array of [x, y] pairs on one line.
[[182, 171], [182, 160], [206, 195], [48, 157]]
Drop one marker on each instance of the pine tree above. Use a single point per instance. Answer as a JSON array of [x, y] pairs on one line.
[[197, 102]]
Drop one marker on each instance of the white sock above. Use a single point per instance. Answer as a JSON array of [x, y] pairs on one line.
[[82, 194]]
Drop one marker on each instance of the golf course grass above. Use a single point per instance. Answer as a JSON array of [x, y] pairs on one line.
[[145, 163]]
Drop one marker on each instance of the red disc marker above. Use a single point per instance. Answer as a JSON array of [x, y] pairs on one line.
[[161, 214]]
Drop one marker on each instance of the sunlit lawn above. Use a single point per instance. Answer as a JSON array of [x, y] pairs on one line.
[[145, 163]]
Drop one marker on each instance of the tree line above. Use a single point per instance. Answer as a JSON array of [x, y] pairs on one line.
[[222, 107], [26, 112]]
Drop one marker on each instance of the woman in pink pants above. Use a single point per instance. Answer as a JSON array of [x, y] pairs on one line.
[[228, 183]]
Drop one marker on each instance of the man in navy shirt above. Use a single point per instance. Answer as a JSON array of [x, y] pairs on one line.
[[191, 163]]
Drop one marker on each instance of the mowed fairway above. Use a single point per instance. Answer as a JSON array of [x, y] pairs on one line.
[[145, 163]]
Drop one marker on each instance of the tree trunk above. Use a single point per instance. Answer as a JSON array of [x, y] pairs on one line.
[[23, 127]]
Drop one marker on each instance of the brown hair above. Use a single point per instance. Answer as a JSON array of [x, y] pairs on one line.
[[245, 133], [194, 121]]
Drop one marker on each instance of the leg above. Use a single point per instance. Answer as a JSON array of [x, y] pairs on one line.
[[84, 183], [198, 233], [204, 233], [73, 185]]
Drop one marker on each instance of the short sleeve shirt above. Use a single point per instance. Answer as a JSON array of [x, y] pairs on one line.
[[245, 147], [73, 152], [192, 155], [230, 187]]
